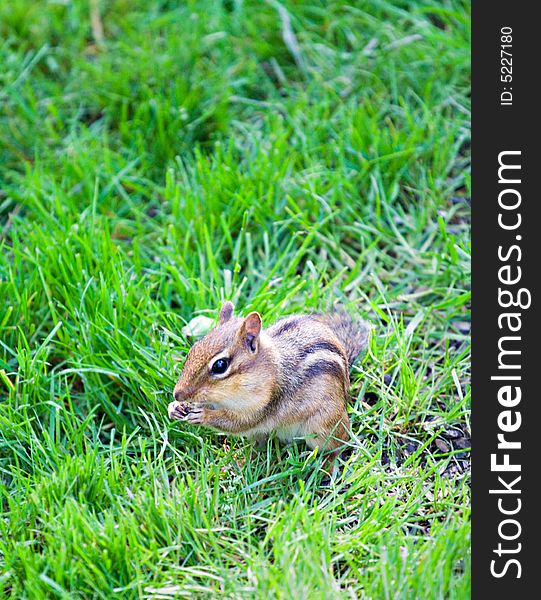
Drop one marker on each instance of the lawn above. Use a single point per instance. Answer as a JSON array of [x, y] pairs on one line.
[[159, 157]]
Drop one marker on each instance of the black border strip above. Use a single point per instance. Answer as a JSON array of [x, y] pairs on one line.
[[502, 567]]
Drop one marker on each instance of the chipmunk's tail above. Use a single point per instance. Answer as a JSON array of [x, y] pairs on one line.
[[352, 333]]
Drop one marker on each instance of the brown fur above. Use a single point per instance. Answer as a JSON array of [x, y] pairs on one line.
[[292, 378]]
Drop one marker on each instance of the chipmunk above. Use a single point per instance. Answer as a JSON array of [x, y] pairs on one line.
[[292, 378]]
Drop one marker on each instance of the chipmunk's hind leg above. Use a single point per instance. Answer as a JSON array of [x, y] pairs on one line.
[[320, 411], [329, 420], [330, 438]]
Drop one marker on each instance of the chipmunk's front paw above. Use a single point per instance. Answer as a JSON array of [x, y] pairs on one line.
[[178, 410], [197, 415]]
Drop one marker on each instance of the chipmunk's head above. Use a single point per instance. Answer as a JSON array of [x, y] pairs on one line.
[[228, 368]]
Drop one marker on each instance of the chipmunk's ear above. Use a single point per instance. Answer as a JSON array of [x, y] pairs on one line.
[[226, 312], [250, 330]]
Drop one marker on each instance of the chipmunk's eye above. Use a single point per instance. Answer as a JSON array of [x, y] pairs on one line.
[[220, 366]]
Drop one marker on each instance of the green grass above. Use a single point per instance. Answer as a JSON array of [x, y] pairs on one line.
[[190, 155]]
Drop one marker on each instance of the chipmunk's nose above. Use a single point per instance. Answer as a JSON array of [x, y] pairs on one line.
[[181, 393]]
